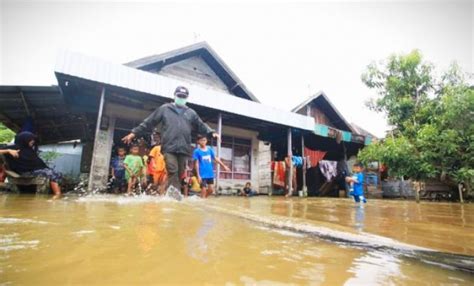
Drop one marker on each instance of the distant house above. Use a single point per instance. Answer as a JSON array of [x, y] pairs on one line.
[[98, 102]]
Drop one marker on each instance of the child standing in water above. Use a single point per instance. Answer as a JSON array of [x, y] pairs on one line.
[[117, 169], [204, 158], [156, 165], [357, 183], [133, 164]]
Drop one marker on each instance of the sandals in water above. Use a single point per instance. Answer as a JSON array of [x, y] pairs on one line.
[[172, 192]]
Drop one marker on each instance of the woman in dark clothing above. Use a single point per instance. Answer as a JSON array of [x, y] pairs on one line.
[[23, 158]]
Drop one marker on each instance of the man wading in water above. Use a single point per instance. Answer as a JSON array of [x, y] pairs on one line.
[[177, 121]]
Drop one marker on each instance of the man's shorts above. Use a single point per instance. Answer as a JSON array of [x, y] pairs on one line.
[[205, 182]]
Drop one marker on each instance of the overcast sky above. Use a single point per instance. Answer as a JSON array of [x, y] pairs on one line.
[[282, 51]]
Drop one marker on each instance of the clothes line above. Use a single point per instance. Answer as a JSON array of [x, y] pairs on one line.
[[314, 156]]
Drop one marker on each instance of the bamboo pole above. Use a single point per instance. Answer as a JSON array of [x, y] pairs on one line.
[[290, 179], [219, 142]]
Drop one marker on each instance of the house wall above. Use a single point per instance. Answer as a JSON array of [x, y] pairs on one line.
[[259, 158], [264, 167], [69, 160], [320, 117], [100, 166], [194, 70]]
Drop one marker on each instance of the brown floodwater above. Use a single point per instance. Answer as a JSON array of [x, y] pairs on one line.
[[111, 240]]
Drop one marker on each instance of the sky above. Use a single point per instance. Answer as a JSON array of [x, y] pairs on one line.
[[283, 51]]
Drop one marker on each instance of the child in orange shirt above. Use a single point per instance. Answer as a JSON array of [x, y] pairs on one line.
[[156, 166]]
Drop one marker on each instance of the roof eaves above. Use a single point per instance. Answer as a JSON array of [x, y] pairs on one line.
[[142, 62], [307, 101]]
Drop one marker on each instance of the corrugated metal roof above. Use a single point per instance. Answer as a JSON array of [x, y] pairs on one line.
[[362, 131], [45, 105], [97, 70]]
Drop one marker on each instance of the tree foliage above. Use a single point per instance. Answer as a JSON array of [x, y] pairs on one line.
[[6, 135], [433, 119]]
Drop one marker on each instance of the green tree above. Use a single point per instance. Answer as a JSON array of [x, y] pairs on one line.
[[6, 135], [433, 120], [49, 156]]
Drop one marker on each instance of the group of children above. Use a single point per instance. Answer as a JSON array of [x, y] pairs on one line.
[[145, 171], [139, 169]]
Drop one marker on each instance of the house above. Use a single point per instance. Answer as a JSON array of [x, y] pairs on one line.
[[98, 102]]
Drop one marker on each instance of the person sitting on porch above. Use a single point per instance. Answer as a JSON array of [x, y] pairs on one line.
[[23, 159], [248, 191], [177, 121]]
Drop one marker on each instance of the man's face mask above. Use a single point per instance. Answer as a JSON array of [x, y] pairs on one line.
[[180, 101]]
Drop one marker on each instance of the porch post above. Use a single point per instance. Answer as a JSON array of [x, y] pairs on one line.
[[218, 167], [290, 180], [103, 140], [305, 191]]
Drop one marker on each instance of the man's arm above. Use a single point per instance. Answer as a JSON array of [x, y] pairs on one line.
[[202, 127], [152, 120]]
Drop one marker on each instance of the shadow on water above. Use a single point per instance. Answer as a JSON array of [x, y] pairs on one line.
[[359, 240]]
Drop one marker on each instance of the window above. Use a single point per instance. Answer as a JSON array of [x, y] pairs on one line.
[[235, 154]]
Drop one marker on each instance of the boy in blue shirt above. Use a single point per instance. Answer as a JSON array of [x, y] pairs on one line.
[[117, 170], [357, 183], [204, 158]]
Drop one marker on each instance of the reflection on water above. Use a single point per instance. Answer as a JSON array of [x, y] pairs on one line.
[[375, 268], [446, 227], [107, 240], [359, 218]]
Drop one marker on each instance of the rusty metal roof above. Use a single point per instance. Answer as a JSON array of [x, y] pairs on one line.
[[46, 106]]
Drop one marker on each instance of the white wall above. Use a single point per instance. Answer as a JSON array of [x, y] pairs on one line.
[[254, 156], [69, 161]]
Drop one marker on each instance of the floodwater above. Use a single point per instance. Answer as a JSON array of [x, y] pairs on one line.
[[111, 240]]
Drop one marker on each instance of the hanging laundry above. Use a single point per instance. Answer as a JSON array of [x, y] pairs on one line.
[[328, 169], [297, 161], [314, 156], [322, 130], [346, 136], [338, 136], [279, 173], [307, 162]]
